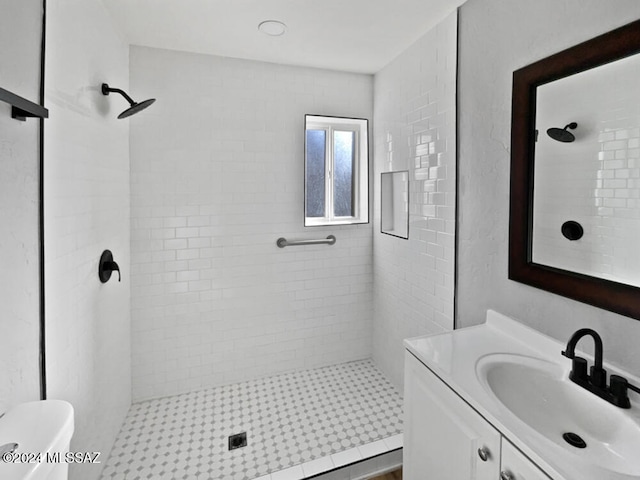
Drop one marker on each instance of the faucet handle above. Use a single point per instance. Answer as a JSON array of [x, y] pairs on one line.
[[618, 387], [578, 369], [113, 266]]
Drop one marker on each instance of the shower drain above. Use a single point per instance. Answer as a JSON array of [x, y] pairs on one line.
[[238, 440], [574, 440]]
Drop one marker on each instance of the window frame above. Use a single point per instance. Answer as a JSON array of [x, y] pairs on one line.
[[360, 182]]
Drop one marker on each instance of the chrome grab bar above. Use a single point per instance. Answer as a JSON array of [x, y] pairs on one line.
[[283, 242]]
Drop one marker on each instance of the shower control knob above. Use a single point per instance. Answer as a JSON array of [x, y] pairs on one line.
[[505, 475], [484, 454], [106, 266]]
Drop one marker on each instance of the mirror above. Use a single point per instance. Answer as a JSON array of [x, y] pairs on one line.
[[575, 173], [394, 208], [587, 174]]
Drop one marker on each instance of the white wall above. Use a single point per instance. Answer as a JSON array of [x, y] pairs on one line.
[[216, 178], [415, 130], [497, 37], [87, 211], [19, 180]]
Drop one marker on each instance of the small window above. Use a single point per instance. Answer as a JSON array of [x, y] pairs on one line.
[[336, 171]]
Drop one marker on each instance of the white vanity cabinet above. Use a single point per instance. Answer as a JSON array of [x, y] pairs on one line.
[[444, 438], [515, 466]]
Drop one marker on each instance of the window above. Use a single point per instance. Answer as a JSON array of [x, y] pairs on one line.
[[336, 171]]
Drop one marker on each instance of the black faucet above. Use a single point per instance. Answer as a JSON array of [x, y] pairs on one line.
[[596, 380]]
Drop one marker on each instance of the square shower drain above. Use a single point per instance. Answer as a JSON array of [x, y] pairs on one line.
[[238, 440]]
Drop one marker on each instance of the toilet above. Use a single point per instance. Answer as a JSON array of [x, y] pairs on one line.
[[42, 431]]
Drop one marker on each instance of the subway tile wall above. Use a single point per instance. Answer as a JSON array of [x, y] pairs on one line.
[[593, 180], [216, 179], [415, 130]]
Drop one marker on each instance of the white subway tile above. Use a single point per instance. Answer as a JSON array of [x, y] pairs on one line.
[[422, 79], [228, 184]]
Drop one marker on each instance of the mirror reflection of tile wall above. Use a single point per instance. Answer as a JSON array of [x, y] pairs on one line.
[[593, 180]]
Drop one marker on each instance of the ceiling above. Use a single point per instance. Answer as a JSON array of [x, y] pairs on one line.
[[348, 35]]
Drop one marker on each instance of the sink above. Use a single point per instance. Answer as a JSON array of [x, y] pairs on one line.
[[539, 394], [38, 428]]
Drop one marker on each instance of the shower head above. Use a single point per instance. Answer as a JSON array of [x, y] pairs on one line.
[[135, 106], [562, 134]]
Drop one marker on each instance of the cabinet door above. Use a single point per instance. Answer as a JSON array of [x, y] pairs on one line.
[[442, 433], [515, 466]]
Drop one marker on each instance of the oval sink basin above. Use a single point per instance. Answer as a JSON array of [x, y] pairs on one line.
[[539, 394]]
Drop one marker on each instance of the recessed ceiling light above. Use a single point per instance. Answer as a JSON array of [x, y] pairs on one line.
[[272, 27]]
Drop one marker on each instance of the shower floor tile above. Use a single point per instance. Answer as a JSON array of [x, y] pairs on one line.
[[289, 419]]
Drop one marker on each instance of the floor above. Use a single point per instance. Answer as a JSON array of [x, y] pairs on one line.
[[298, 424], [395, 475]]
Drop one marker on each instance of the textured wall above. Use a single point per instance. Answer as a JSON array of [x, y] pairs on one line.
[[19, 179], [216, 178], [415, 130], [489, 52], [87, 211]]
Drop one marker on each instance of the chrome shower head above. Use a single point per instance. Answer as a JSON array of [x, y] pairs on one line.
[[135, 107], [562, 134]]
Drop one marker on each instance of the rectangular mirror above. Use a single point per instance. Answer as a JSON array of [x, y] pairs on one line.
[[575, 173], [586, 196], [394, 208]]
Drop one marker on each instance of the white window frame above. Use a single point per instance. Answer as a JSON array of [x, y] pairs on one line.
[[360, 127]]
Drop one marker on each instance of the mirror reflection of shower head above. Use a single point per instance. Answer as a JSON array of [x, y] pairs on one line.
[[562, 134], [135, 106]]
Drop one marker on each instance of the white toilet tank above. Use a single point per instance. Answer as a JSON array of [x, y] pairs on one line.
[[31, 436]]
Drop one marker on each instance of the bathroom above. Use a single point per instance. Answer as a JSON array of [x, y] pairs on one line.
[[210, 177]]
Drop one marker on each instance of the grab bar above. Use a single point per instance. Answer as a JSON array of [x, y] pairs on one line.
[[283, 242]]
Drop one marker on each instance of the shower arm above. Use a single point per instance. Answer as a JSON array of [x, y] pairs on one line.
[[106, 89]]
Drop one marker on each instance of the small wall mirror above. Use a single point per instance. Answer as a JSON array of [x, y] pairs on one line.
[[394, 210], [575, 173]]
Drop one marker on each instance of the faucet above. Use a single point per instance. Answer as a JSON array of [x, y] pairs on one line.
[[578, 373], [596, 380]]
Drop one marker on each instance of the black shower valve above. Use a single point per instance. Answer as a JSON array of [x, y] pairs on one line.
[[107, 266], [572, 230]]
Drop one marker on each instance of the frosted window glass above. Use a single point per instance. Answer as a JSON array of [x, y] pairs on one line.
[[315, 172], [336, 171], [344, 158]]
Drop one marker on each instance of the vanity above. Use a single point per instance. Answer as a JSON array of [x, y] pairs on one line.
[[495, 401]]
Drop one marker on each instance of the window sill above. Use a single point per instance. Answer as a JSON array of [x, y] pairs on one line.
[[313, 222]]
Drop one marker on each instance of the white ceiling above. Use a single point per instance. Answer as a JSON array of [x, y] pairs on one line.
[[348, 35]]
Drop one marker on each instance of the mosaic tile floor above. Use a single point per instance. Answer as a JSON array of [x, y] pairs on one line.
[[289, 419]]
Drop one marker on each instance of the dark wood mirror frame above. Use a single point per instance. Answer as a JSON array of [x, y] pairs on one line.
[[613, 296]]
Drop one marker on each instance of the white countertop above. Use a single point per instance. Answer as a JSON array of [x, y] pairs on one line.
[[454, 356]]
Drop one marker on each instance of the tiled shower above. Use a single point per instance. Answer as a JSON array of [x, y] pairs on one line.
[[298, 425], [194, 192], [214, 184]]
